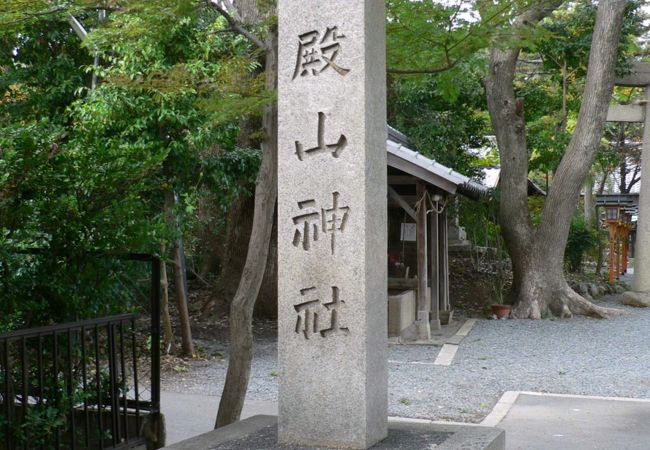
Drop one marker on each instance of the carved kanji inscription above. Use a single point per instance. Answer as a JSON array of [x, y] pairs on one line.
[[317, 54], [321, 147], [311, 222], [311, 307]]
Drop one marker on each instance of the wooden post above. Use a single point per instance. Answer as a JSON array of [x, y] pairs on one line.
[[444, 261], [434, 263], [421, 236], [421, 242]]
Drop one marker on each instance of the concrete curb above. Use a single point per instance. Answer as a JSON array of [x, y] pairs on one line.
[[448, 350], [508, 399], [501, 409], [446, 355], [466, 328]]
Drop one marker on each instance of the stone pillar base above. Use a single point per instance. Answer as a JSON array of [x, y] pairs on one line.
[[261, 433], [636, 299], [424, 328]]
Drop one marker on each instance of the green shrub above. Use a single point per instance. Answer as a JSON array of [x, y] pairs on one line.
[[582, 240]]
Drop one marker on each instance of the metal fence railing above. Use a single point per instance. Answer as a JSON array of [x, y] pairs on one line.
[[81, 385]]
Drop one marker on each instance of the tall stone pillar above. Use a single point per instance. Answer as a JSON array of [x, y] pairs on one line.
[[642, 250], [332, 223]]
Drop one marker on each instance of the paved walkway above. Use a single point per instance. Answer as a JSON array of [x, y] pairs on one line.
[[579, 356], [188, 415], [532, 421], [562, 422]]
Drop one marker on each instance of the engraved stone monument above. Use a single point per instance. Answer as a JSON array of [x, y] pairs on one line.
[[332, 244], [332, 223]]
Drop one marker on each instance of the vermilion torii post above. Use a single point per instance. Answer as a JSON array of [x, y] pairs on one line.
[[612, 216], [626, 243]]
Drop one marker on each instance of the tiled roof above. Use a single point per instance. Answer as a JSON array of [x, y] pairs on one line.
[[401, 157]]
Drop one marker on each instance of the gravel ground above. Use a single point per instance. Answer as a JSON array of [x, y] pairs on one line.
[[570, 356]]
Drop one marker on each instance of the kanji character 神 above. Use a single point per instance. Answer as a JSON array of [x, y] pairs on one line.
[[307, 225], [331, 220], [335, 219]]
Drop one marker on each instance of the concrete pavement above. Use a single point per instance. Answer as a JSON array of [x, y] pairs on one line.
[[532, 421], [188, 415], [535, 421]]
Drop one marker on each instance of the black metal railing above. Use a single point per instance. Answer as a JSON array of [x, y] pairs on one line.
[[82, 385]]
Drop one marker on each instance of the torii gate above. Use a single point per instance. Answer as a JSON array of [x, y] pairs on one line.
[[639, 77]]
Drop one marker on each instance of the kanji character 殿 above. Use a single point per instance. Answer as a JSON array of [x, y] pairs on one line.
[[316, 54]]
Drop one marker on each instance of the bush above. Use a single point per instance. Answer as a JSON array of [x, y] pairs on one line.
[[581, 240], [44, 289]]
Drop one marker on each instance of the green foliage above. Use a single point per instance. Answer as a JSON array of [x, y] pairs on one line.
[[443, 129], [436, 37], [40, 425], [552, 89], [480, 220], [582, 240], [84, 170], [570, 33]]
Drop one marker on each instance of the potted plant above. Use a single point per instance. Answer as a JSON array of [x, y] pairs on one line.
[[501, 311]]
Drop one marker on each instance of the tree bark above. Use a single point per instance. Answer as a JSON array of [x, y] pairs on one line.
[[589, 206], [247, 11], [180, 278], [168, 332], [537, 253], [232, 255], [233, 244], [233, 258], [242, 306], [267, 300]]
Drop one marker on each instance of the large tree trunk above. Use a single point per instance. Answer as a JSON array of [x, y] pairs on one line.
[[233, 258], [232, 255], [180, 278], [589, 205], [241, 309], [168, 333], [248, 11], [537, 253], [237, 232], [267, 300]]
